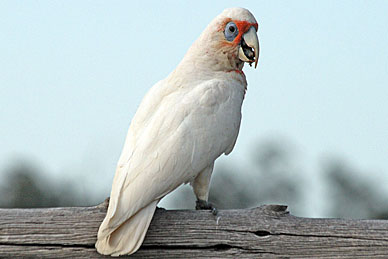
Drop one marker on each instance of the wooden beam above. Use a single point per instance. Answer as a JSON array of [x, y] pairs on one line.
[[267, 231]]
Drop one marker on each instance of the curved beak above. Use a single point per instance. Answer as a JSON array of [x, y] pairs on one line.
[[249, 47]]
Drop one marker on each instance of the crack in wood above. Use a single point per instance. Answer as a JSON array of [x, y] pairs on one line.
[[268, 230], [218, 247], [328, 236], [262, 233], [47, 245]]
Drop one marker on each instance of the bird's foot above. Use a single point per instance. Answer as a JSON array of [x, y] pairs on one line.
[[204, 205]]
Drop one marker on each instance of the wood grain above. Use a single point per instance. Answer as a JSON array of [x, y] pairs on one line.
[[267, 231]]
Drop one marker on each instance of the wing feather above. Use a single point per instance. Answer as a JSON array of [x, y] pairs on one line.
[[175, 134]]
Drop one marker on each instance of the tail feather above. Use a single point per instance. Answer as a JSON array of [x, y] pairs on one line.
[[128, 237]]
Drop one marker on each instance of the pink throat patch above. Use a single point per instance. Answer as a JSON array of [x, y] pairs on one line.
[[237, 71]]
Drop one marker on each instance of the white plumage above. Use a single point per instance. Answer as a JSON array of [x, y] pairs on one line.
[[184, 123]]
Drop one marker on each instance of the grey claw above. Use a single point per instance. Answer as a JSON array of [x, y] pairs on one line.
[[204, 205]]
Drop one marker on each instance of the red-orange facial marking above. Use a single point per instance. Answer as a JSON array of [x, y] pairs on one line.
[[242, 26], [237, 71]]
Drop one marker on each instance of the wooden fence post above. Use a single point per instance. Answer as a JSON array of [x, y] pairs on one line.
[[266, 231]]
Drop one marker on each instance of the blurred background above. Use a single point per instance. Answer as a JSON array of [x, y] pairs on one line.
[[314, 133]]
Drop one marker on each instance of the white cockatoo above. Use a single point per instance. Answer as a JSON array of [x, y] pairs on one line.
[[184, 123]]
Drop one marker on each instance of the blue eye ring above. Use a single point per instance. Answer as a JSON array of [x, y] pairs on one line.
[[231, 31]]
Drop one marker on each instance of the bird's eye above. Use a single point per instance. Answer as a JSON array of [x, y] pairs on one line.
[[230, 31]]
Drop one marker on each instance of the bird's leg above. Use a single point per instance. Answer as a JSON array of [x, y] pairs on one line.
[[205, 205], [201, 189]]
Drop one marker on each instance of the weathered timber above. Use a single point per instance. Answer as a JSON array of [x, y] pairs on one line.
[[267, 231]]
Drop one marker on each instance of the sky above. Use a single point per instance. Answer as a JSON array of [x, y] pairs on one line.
[[72, 74]]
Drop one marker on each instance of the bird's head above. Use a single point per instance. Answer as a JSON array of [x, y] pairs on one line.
[[228, 41]]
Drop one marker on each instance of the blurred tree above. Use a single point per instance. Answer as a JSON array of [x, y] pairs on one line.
[[24, 187], [21, 189], [274, 179], [279, 180], [352, 196]]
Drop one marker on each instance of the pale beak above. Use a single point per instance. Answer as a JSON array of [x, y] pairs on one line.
[[249, 47]]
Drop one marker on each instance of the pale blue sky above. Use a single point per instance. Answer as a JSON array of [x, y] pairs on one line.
[[72, 74]]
